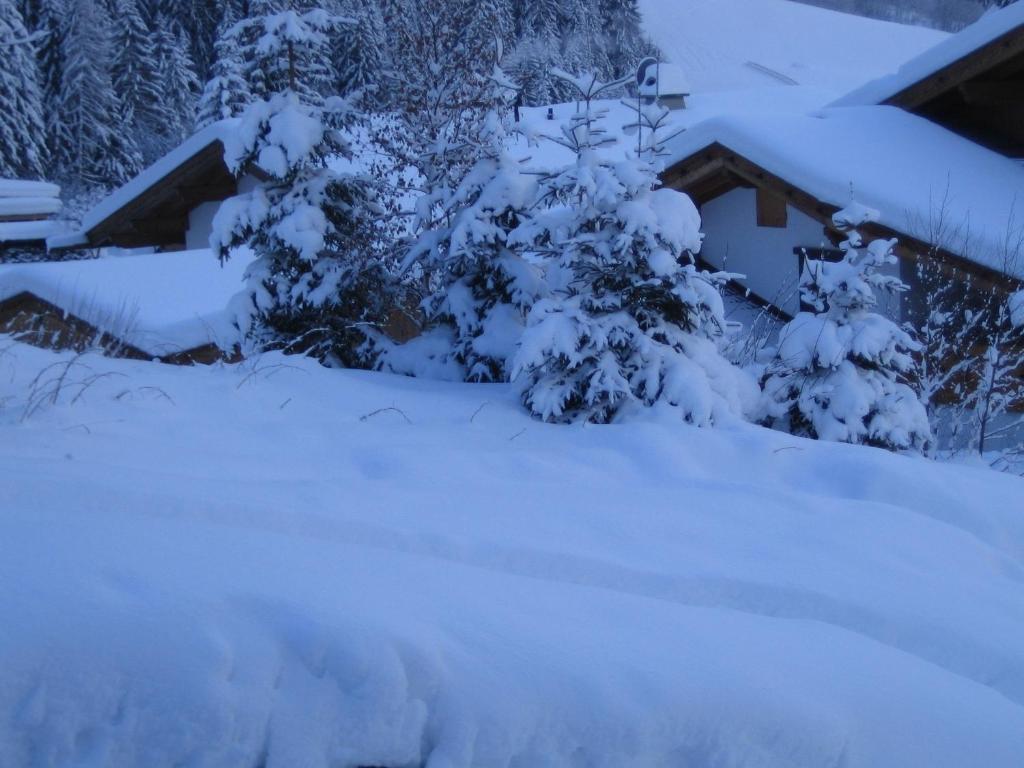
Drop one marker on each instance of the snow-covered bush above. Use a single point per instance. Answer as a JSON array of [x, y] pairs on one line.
[[840, 373], [318, 277], [484, 285], [998, 397], [630, 320]]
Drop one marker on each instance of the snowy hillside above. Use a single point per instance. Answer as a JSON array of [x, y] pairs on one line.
[[729, 44], [282, 565]]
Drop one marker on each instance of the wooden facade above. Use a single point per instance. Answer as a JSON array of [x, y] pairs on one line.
[[159, 216]]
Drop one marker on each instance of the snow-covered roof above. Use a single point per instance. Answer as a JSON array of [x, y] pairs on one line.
[[161, 303], [672, 80], [910, 170], [22, 231], [23, 188], [988, 29], [158, 171], [729, 44]]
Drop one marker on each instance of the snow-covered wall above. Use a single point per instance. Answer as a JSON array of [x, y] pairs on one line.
[[735, 243]]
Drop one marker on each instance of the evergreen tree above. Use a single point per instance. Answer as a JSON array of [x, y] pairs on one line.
[[227, 92], [318, 275], [135, 70], [631, 320], [620, 21], [289, 51], [839, 373], [92, 146], [177, 82], [486, 286], [23, 150], [359, 48]]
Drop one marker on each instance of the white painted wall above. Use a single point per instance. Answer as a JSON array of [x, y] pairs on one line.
[[734, 243], [200, 218]]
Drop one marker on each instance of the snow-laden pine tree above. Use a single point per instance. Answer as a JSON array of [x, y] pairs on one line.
[[136, 75], [23, 150], [179, 86], [92, 146], [631, 320], [486, 287], [289, 50], [49, 25], [840, 373], [359, 48], [226, 93], [317, 279]]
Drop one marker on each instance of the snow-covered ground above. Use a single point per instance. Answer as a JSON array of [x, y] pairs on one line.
[[275, 564], [736, 44]]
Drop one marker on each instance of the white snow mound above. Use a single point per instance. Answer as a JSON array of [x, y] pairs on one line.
[[280, 565]]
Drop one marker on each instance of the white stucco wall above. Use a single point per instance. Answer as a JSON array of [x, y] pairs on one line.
[[733, 242], [200, 218]]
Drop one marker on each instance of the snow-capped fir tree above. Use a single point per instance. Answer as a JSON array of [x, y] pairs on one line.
[[179, 86], [289, 51], [23, 150], [486, 286], [317, 278], [91, 143], [226, 93], [840, 372], [49, 26], [136, 73], [359, 54], [631, 320]]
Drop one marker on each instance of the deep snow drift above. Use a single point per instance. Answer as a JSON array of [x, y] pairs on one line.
[[266, 565]]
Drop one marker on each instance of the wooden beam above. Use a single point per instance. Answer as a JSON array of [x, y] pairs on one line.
[[993, 93]]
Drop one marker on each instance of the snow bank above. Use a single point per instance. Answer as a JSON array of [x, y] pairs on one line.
[[161, 302], [987, 29], [737, 44], [925, 181], [280, 565]]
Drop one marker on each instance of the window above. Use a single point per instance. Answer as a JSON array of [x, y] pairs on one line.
[[771, 210]]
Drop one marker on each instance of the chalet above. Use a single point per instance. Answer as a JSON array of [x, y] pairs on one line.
[[172, 203], [946, 182], [27, 217]]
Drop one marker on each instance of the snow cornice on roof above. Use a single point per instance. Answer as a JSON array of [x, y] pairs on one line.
[[1000, 28]]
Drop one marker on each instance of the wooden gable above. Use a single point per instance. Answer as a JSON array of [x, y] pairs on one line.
[[159, 215], [717, 169]]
